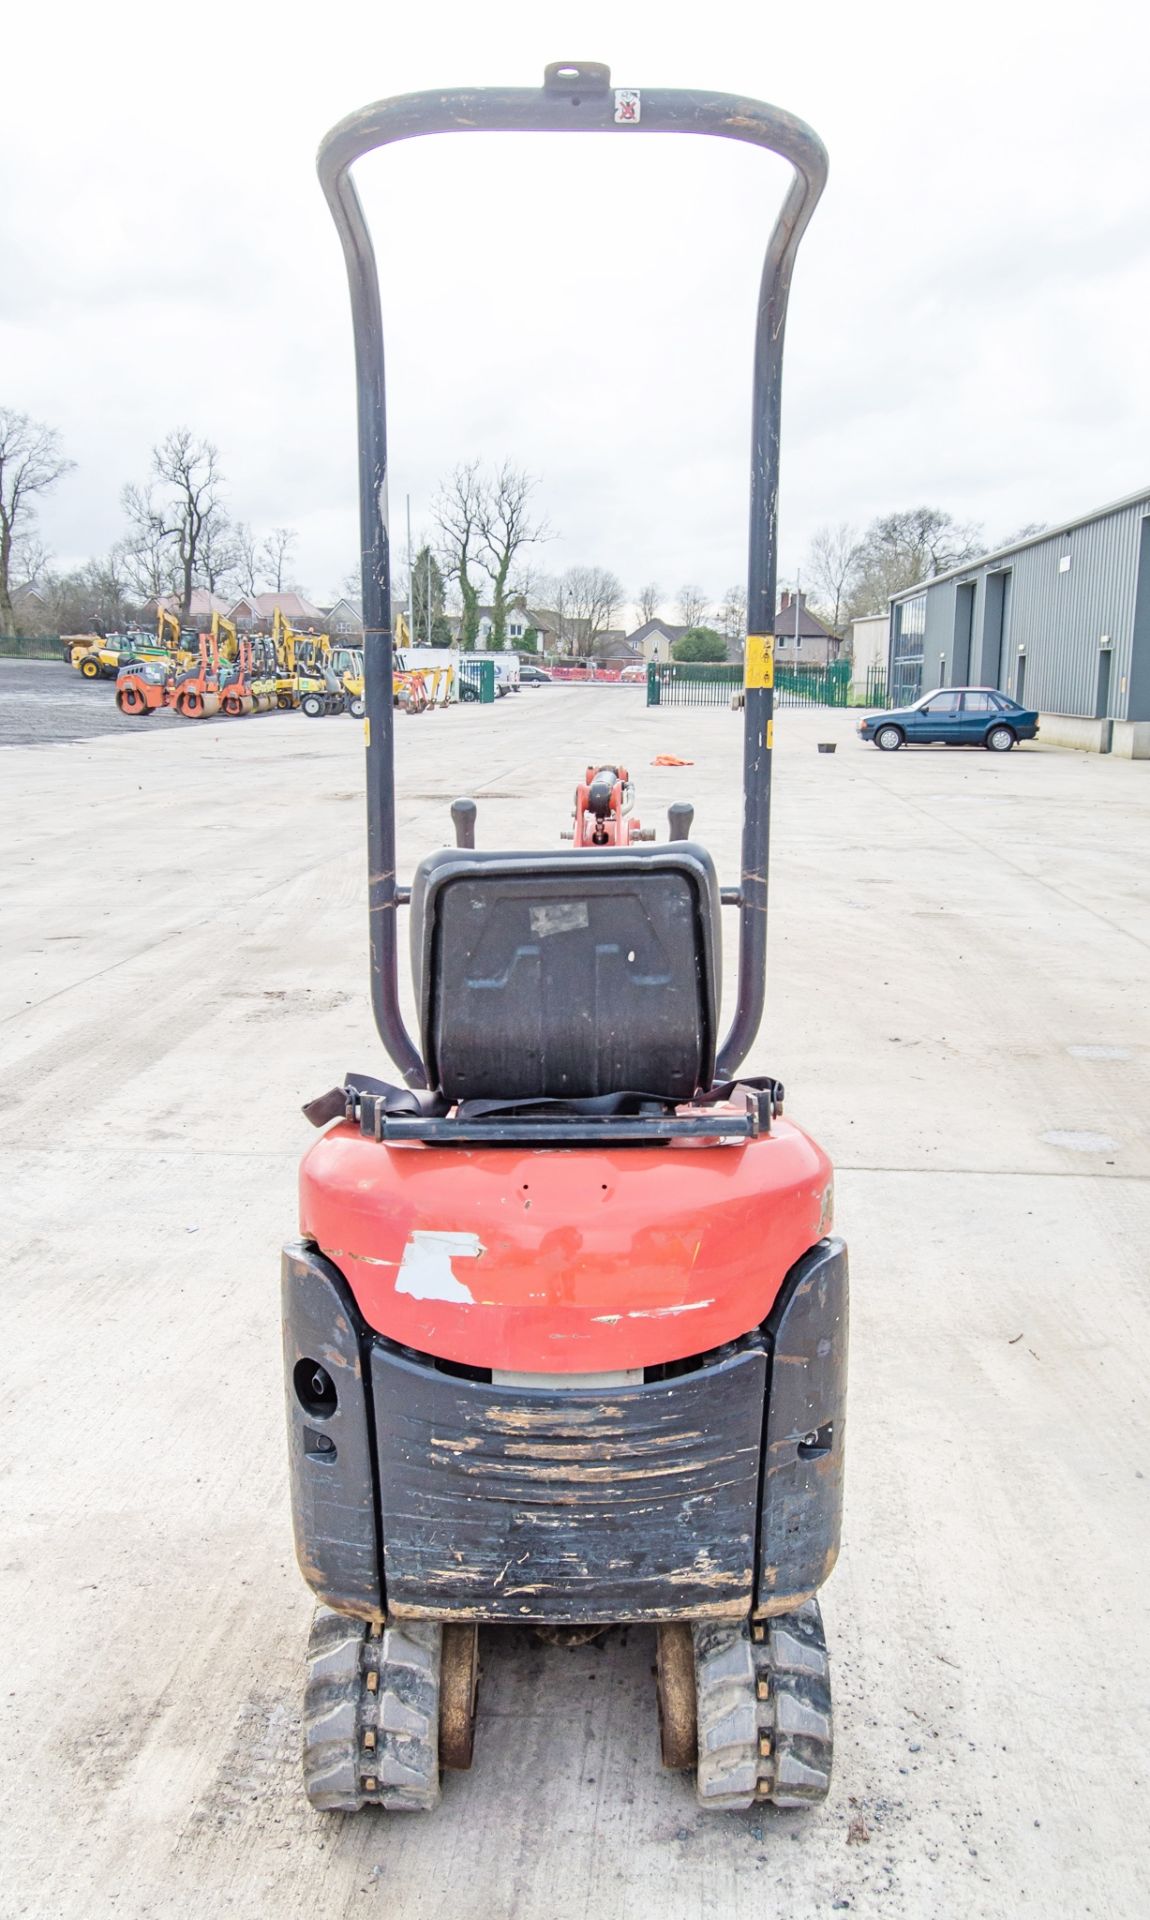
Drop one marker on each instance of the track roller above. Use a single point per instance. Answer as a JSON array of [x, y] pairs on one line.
[[764, 1711], [458, 1693], [675, 1688]]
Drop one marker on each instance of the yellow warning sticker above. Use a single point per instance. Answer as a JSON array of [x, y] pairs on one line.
[[367, 733], [770, 735], [759, 665]]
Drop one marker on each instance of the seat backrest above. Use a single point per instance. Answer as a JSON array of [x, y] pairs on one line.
[[566, 974]]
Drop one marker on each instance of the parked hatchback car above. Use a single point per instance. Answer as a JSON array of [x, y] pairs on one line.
[[956, 717], [533, 676]]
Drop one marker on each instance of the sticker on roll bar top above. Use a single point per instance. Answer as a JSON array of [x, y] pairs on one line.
[[628, 106], [759, 662]]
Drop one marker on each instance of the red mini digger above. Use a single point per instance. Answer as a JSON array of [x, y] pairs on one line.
[[603, 814], [565, 1332]]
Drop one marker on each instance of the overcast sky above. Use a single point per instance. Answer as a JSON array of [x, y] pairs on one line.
[[968, 326]]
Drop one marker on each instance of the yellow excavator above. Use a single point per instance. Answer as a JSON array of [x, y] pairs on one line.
[[315, 652], [416, 687], [300, 679], [347, 662], [182, 649]]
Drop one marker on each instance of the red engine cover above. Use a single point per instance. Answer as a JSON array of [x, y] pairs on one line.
[[565, 1261]]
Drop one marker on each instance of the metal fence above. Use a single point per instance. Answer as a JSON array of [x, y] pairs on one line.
[[22, 646], [876, 687], [682, 683], [690, 684], [827, 686]]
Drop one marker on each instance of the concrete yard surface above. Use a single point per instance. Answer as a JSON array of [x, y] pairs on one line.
[[958, 1005]]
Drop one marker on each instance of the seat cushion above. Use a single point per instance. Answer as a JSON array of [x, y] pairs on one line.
[[568, 973]]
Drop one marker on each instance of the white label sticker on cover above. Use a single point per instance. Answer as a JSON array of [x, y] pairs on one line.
[[426, 1272]]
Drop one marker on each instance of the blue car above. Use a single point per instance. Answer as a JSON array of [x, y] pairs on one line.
[[956, 717]]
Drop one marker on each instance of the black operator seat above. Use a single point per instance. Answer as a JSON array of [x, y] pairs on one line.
[[568, 973]]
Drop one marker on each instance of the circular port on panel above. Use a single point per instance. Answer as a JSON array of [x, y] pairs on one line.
[[314, 1389]]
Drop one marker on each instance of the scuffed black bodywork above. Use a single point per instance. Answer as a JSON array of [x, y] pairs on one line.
[[331, 1469], [802, 1497], [513, 1503], [714, 1490]]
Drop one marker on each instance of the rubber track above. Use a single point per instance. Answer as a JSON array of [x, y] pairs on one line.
[[764, 1711], [365, 1742]]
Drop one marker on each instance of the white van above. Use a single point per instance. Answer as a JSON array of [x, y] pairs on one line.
[[506, 672], [506, 665]]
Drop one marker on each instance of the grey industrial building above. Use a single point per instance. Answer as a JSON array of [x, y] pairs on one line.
[[1060, 621]]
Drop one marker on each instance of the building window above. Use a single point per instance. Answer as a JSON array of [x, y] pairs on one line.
[[907, 644]]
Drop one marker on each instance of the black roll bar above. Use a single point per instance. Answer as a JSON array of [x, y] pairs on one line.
[[576, 97]]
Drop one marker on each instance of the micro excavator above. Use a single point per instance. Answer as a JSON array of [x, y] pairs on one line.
[[565, 1321]]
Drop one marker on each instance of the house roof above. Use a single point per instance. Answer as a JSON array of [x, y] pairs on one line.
[[656, 626], [344, 602], [292, 605], [202, 605], [809, 624]]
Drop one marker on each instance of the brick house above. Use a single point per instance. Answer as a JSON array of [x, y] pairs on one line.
[[801, 638], [654, 640]]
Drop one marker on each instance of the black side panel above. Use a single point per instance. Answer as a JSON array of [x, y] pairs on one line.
[[506, 1503], [806, 1428], [332, 1491]]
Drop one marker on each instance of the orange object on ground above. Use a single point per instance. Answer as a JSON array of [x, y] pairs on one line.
[[670, 760]]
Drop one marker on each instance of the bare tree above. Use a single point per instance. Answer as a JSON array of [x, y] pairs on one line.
[[145, 554], [274, 553], [531, 585], [93, 598], [30, 464], [171, 519], [246, 566], [647, 603], [30, 558], [692, 604], [900, 549], [505, 527], [458, 509], [219, 562], [190, 469], [733, 614], [831, 567], [591, 597], [1028, 532]]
